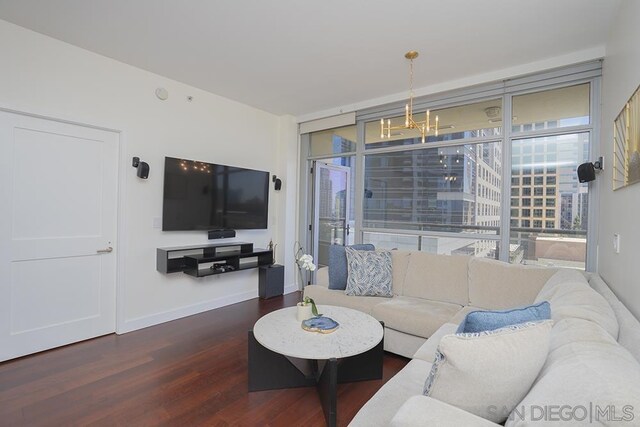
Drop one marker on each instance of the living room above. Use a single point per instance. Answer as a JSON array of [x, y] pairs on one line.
[[181, 80]]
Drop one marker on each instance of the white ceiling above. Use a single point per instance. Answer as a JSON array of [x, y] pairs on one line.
[[299, 57]]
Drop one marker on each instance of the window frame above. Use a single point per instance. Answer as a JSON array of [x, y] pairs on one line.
[[568, 76]]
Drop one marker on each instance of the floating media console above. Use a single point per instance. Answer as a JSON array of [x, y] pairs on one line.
[[207, 260]]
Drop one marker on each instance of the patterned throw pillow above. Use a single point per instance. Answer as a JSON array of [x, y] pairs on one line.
[[488, 373], [369, 273], [338, 264]]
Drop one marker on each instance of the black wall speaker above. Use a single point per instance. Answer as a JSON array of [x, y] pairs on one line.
[[142, 167], [143, 170], [277, 183], [586, 172], [221, 234]]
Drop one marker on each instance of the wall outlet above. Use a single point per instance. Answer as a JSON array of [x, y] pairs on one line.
[[616, 243]]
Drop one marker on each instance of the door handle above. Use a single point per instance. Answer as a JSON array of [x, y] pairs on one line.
[[348, 229], [105, 251]]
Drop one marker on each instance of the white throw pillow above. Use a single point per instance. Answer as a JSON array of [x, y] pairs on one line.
[[370, 273], [489, 373]]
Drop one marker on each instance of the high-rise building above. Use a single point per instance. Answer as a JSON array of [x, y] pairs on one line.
[[544, 184], [437, 189]]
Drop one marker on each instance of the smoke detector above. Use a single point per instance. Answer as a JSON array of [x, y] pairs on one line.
[[162, 94]]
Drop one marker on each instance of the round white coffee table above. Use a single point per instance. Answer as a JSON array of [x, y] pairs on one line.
[[283, 355], [280, 331]]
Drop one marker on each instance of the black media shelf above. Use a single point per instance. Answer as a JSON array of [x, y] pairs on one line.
[[212, 259]]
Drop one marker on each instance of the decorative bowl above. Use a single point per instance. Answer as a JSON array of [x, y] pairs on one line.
[[321, 324]]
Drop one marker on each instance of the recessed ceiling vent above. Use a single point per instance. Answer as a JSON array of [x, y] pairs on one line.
[[493, 112]]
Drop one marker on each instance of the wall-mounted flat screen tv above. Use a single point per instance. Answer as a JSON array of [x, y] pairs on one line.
[[207, 196]]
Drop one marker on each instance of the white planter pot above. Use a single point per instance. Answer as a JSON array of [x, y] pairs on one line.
[[304, 312]]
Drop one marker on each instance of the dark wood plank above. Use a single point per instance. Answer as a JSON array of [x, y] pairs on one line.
[[192, 371]]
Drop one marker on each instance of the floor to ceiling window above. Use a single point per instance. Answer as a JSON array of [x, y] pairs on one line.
[[497, 181], [549, 207], [441, 196]]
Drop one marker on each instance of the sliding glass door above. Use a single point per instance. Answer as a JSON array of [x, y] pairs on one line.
[[332, 197], [331, 164]]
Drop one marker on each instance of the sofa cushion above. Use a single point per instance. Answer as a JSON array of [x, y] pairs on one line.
[[338, 264], [497, 285], [414, 315], [488, 320], [322, 276], [586, 368], [459, 316], [400, 261], [381, 408], [571, 297], [423, 411], [369, 273], [486, 371], [322, 295], [437, 278], [402, 343], [428, 350]]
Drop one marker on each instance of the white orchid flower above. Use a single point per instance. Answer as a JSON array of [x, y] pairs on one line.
[[306, 262]]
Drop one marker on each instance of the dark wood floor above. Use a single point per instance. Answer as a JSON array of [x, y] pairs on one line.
[[188, 372]]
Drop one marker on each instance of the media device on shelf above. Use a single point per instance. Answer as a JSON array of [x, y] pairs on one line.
[[221, 234], [222, 267], [208, 196]]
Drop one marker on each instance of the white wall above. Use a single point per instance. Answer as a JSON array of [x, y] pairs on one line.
[[620, 210], [288, 165], [40, 75]]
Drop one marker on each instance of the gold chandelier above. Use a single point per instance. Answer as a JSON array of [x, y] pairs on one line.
[[424, 127]]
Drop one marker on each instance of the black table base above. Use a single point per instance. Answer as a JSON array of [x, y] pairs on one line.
[[269, 370]]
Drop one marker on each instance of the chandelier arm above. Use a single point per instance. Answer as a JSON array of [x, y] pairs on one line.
[[413, 123]]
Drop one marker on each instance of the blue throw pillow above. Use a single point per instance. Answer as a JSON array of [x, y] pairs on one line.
[[338, 264], [479, 321]]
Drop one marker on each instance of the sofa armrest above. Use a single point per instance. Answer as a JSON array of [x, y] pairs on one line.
[[322, 277], [425, 411], [628, 325]]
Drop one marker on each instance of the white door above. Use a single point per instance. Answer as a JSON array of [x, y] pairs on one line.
[[58, 203]]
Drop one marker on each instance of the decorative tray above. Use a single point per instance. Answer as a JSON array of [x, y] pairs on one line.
[[321, 324]]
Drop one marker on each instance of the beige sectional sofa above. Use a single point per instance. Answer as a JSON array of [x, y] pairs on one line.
[[594, 351], [431, 290]]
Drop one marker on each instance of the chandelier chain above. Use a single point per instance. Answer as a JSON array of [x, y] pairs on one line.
[[411, 86]]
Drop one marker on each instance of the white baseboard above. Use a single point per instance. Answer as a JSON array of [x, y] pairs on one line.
[[290, 288], [190, 310]]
